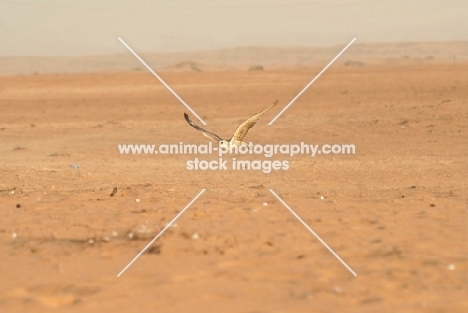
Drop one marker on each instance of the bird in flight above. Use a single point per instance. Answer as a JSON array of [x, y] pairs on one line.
[[239, 134]]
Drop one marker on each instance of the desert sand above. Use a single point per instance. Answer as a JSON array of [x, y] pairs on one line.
[[395, 212]]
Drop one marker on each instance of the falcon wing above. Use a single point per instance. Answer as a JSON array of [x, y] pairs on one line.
[[243, 129], [204, 132]]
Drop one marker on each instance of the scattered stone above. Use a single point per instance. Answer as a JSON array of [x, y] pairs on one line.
[[256, 68], [106, 238], [130, 235], [91, 241], [14, 235], [432, 205], [451, 267], [114, 191], [156, 249], [321, 198], [137, 200], [139, 211], [195, 236], [265, 204], [74, 166], [114, 234], [257, 187], [18, 205], [353, 63]]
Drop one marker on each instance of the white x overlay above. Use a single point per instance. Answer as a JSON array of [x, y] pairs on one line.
[[161, 232], [161, 80], [313, 233], [272, 121]]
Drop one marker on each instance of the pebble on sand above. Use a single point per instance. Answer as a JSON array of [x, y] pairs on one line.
[[451, 267]]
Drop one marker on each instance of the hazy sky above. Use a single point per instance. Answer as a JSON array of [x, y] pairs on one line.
[[66, 27]]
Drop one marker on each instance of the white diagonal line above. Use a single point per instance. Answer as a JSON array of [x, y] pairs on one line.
[[160, 233], [313, 233], [162, 81], [311, 82]]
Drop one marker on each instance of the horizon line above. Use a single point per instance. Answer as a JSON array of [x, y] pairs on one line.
[[241, 47]]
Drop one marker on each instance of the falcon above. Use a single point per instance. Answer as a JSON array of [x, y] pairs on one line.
[[239, 134]]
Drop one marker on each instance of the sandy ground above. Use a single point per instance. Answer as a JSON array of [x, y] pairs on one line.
[[395, 212]]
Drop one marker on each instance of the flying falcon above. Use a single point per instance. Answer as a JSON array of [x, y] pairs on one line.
[[239, 134]]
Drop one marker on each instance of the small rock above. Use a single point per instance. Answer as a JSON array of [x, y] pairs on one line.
[[74, 166], [14, 235], [156, 249], [106, 238], [18, 205], [130, 235], [321, 198], [265, 203], [12, 192], [91, 241], [114, 234], [139, 211], [451, 267], [137, 200], [256, 68], [195, 236], [114, 191]]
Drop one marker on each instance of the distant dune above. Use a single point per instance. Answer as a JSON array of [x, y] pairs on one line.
[[358, 54]]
